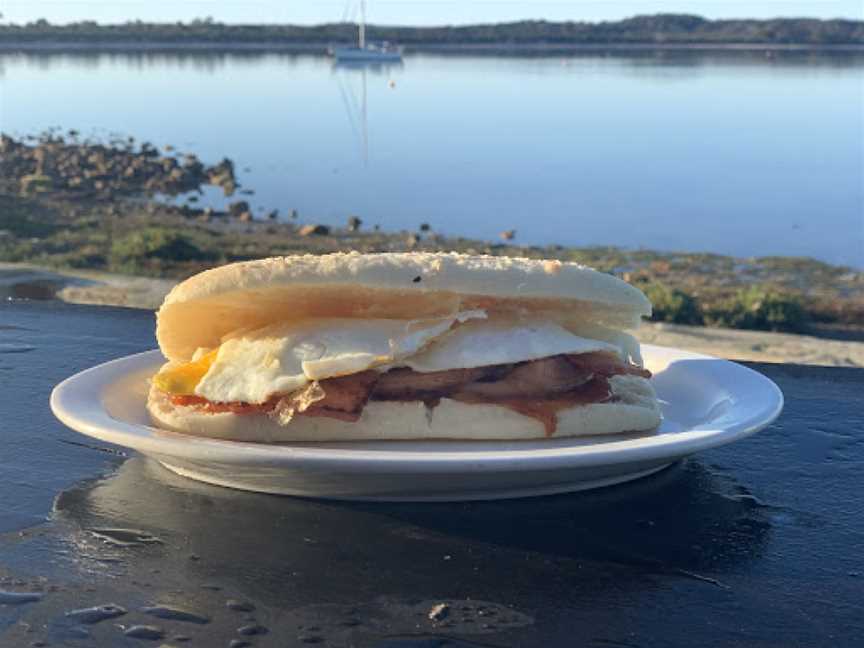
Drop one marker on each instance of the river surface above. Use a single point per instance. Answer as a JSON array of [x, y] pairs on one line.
[[737, 153]]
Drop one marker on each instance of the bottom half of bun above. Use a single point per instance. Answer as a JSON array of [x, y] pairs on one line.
[[634, 408]]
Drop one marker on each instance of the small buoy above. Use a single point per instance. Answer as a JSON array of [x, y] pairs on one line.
[[391, 83]]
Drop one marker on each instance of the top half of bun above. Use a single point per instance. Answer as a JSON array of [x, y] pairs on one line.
[[200, 310]]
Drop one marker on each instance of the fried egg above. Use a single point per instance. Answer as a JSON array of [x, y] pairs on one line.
[[253, 365], [480, 343]]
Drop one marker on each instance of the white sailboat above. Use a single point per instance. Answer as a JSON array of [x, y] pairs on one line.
[[366, 51]]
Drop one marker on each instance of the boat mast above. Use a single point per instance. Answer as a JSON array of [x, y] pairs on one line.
[[362, 24]]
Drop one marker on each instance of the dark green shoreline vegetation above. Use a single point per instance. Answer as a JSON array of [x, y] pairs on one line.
[[652, 30], [67, 202]]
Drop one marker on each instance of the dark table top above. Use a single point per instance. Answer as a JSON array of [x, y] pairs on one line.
[[760, 543]]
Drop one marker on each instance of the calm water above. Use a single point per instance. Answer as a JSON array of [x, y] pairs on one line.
[[730, 153]]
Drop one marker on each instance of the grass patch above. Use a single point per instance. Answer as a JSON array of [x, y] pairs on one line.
[[760, 309], [151, 246], [22, 218], [672, 305]]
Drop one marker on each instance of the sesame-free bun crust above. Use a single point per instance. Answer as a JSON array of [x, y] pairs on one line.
[[636, 410], [202, 309]]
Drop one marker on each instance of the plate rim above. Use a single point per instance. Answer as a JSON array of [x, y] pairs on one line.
[[89, 416]]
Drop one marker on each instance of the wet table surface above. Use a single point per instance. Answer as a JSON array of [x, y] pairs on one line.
[[760, 543]]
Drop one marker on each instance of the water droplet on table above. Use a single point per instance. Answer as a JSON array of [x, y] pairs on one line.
[[12, 347], [125, 537], [252, 630], [175, 614], [239, 606], [18, 598], [96, 614], [144, 632]]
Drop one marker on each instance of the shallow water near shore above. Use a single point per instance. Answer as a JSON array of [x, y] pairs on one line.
[[739, 153]]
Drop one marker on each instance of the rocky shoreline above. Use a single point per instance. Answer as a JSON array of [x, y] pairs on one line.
[[75, 169]]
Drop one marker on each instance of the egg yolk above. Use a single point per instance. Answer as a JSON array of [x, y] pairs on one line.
[[183, 379]]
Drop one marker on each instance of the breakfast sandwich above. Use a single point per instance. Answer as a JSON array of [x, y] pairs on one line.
[[413, 346]]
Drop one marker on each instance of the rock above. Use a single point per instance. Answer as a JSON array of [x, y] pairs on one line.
[[7, 144], [354, 223], [225, 169], [245, 217], [237, 208], [273, 215], [222, 175], [439, 612], [412, 241], [425, 227], [226, 164], [318, 230], [148, 150], [35, 183], [508, 235]]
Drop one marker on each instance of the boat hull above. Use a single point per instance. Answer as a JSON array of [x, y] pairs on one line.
[[357, 54]]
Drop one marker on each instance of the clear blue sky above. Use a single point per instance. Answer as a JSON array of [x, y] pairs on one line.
[[411, 12]]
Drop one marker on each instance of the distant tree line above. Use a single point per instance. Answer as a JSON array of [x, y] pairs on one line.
[[656, 29]]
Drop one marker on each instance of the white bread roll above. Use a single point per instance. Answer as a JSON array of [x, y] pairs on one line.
[[202, 309]]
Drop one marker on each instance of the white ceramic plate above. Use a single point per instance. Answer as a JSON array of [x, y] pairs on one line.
[[707, 402]]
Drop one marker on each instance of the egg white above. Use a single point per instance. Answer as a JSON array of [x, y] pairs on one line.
[[480, 343], [281, 358]]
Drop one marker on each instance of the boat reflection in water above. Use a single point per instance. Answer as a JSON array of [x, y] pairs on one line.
[[356, 104]]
